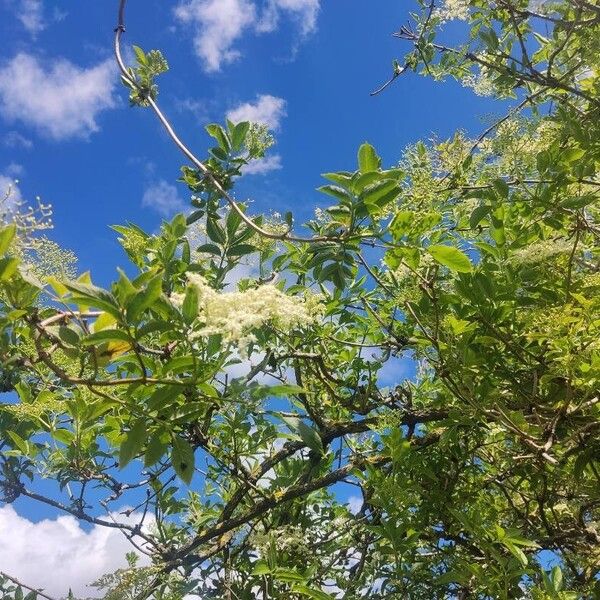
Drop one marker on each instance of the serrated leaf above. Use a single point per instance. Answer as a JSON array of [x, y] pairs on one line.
[[106, 335], [238, 135], [451, 257], [261, 568], [132, 444], [191, 304], [155, 449], [7, 235], [337, 192], [312, 593], [8, 267], [182, 459], [145, 299], [308, 435], [287, 575], [217, 132], [214, 231], [69, 336], [478, 214], [367, 159]]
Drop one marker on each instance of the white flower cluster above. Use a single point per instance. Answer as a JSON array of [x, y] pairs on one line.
[[453, 10], [481, 83], [538, 252], [234, 315]]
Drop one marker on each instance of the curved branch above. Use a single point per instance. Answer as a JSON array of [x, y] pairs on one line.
[[119, 30], [24, 585]]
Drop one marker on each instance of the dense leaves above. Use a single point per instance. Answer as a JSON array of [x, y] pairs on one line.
[[432, 352]]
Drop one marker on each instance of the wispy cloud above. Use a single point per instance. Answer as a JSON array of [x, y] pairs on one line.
[[14, 169], [31, 15], [13, 139], [219, 24], [163, 198], [56, 554], [305, 12], [59, 99]]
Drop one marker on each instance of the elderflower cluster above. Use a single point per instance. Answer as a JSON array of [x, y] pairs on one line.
[[481, 83], [234, 315], [44, 405], [288, 539], [538, 252], [453, 10]]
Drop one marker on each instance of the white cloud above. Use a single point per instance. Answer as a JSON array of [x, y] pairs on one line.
[[269, 110], [13, 139], [304, 11], [55, 554], [262, 166], [59, 99], [163, 198], [354, 503], [218, 24], [31, 15]]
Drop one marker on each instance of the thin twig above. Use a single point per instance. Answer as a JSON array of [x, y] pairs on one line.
[[24, 585], [286, 236]]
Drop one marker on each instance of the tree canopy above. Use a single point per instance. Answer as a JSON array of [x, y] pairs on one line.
[[226, 413]]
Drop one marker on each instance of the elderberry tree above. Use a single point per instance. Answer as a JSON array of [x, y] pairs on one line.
[[224, 412]]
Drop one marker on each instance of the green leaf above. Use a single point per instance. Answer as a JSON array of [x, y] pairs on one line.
[[287, 575], [342, 178], [367, 159], [64, 436], [209, 249], [308, 435], [451, 257], [132, 444], [145, 299], [380, 194], [516, 552], [337, 192], [556, 577], [284, 390], [19, 442], [241, 250], [106, 335], [155, 449], [7, 235], [312, 593], [191, 304], [8, 267], [478, 215], [182, 459], [214, 231], [261, 567], [220, 135], [501, 188], [93, 296], [238, 135], [140, 55]]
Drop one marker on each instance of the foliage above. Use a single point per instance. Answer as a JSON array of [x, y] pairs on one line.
[[233, 416]]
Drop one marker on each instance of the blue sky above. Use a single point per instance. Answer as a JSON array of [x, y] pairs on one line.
[[68, 134]]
